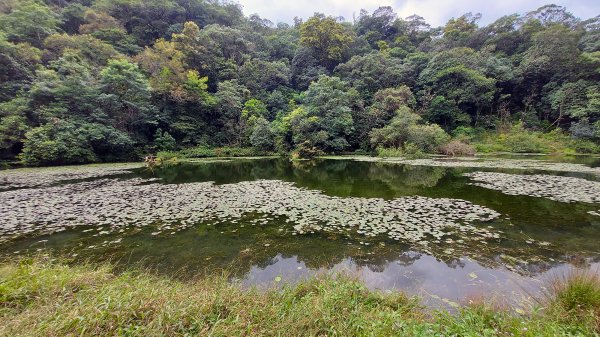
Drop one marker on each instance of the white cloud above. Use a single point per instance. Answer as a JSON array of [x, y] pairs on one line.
[[436, 12]]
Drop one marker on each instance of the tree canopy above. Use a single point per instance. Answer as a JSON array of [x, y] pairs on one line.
[[102, 80]]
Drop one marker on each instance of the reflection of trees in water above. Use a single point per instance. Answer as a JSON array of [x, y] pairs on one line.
[[380, 259], [205, 249], [405, 178]]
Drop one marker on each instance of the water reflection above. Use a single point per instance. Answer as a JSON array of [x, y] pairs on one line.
[[259, 254]]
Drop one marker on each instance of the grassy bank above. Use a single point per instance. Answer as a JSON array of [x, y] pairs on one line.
[[520, 140], [42, 298]]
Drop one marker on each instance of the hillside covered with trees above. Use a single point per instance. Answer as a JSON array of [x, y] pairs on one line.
[[108, 80]]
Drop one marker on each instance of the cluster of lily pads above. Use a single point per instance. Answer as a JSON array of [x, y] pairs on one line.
[[115, 204], [40, 177], [557, 188], [491, 163]]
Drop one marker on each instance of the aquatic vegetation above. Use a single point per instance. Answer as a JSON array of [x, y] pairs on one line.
[[40, 177], [558, 188], [478, 162], [117, 204]]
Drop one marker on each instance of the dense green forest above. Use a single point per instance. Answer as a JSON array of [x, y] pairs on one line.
[[106, 80]]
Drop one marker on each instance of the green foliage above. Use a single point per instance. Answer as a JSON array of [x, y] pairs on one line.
[[262, 137], [198, 152], [62, 142], [163, 141], [328, 39], [208, 75], [389, 152], [329, 105], [29, 21], [305, 150], [39, 300], [577, 292], [406, 128], [520, 140], [208, 152]]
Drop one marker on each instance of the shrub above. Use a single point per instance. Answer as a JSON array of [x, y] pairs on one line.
[[406, 127], [198, 152], [410, 151], [427, 138], [62, 142], [163, 141], [166, 155], [519, 140], [237, 152], [306, 151], [584, 146], [457, 148], [390, 152]]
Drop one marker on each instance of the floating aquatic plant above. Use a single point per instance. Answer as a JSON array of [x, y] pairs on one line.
[[557, 188], [493, 163], [115, 204], [39, 177]]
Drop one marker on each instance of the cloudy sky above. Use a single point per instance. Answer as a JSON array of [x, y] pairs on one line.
[[436, 12]]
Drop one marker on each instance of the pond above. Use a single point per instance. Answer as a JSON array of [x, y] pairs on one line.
[[447, 230]]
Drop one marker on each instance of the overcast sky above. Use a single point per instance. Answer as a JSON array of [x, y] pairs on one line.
[[436, 12]]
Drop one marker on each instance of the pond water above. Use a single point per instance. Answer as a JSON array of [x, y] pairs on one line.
[[447, 230]]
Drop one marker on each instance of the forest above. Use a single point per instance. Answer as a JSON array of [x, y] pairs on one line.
[[114, 80]]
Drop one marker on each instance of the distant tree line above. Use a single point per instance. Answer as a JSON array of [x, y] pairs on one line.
[[104, 80]]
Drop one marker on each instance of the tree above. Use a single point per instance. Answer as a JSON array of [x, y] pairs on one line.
[[231, 96], [61, 142], [576, 100], [90, 48], [126, 96], [446, 113], [29, 21], [331, 103], [371, 72], [163, 141], [327, 38], [262, 136], [264, 76], [378, 26], [406, 128]]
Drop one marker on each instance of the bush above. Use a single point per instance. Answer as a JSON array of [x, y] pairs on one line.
[[163, 141], [306, 151], [198, 152], [166, 155], [61, 142], [410, 151], [457, 148], [389, 152], [238, 152], [427, 138], [406, 127], [520, 140]]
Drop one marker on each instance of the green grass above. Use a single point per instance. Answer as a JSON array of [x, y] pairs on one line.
[[44, 298], [521, 140]]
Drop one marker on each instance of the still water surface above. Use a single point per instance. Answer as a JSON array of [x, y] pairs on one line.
[[258, 254]]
